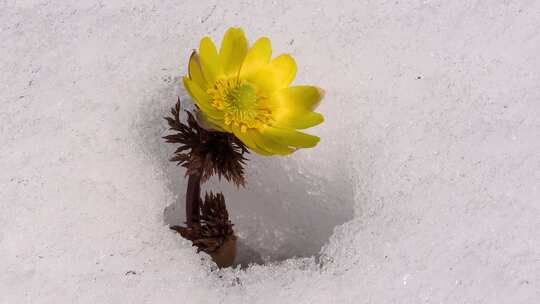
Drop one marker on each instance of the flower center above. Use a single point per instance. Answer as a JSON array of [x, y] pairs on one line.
[[242, 104]]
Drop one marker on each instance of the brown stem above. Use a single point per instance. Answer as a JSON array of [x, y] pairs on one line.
[[193, 196]]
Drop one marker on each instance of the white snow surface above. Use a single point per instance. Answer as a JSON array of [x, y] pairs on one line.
[[424, 188]]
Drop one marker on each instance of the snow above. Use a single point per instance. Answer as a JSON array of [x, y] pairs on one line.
[[424, 188]]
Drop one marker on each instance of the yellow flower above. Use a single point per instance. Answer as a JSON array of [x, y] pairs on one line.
[[243, 91]]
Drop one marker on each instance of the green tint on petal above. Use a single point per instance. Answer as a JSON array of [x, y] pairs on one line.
[[233, 51], [210, 64], [257, 57], [195, 71], [291, 137]]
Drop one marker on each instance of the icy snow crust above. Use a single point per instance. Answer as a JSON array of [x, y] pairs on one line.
[[424, 188]]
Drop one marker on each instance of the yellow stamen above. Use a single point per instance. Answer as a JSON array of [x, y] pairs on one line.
[[242, 104]]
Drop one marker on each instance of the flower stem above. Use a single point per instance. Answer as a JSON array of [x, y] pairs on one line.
[[193, 195]]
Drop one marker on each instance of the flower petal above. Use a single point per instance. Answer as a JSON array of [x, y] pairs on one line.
[[243, 136], [195, 70], [201, 99], [278, 74], [270, 145], [293, 107], [251, 135], [210, 123], [298, 119], [210, 63], [291, 137], [247, 139], [233, 51], [299, 97], [258, 56]]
